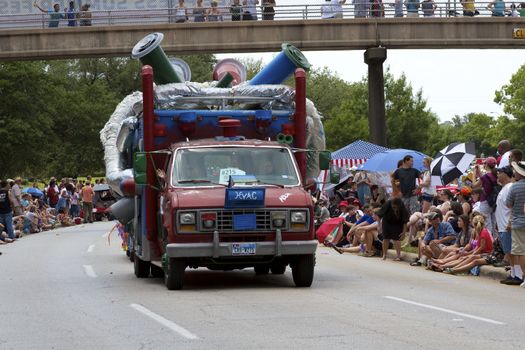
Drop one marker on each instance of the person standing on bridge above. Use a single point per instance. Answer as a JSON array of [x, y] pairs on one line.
[[71, 14], [85, 15], [268, 10], [54, 15], [327, 10], [412, 8], [469, 9], [337, 7], [498, 10], [361, 8], [250, 6]]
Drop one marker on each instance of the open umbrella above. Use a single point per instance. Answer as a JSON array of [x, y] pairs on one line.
[[451, 162], [387, 161], [33, 191]]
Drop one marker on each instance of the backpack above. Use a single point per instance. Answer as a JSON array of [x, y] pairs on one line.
[[493, 196]]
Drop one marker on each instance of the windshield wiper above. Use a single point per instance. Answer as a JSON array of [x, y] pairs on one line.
[[197, 181], [270, 184]]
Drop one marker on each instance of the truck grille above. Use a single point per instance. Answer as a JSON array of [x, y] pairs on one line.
[[225, 219]]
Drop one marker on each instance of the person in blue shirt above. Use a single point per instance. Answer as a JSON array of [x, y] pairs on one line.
[[497, 7], [439, 235], [71, 15], [54, 15]]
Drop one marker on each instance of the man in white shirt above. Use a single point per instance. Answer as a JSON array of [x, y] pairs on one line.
[[504, 151], [337, 8], [327, 10], [502, 214], [251, 7]]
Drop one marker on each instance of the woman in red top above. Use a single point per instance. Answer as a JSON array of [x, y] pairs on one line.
[[52, 194]]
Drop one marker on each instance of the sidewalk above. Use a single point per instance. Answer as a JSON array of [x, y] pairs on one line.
[[488, 271]]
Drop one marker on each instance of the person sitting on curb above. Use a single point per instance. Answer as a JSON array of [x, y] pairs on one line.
[[476, 253], [367, 233], [439, 235], [462, 239]]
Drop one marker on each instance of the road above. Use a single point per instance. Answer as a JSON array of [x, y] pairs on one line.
[[71, 288]]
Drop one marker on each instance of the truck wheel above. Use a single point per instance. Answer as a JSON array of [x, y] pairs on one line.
[[278, 268], [141, 267], [261, 269], [156, 271], [174, 274], [303, 270]]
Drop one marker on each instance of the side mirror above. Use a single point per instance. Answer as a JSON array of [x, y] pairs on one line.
[[325, 158], [334, 178], [139, 168]]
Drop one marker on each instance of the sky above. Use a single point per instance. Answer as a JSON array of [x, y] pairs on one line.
[[453, 82]]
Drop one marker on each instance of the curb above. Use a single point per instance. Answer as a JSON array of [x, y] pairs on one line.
[[487, 271]]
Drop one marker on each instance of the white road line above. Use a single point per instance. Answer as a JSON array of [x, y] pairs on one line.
[[89, 271], [165, 322], [90, 248], [483, 319]]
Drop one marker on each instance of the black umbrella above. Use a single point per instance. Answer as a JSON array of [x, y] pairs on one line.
[[452, 162]]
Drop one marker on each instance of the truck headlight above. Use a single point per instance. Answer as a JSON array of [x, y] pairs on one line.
[[208, 220], [187, 218], [278, 219], [298, 217]]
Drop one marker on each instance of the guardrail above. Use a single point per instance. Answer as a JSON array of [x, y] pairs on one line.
[[443, 9]]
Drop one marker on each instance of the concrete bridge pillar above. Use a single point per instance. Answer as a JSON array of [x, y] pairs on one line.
[[374, 58]]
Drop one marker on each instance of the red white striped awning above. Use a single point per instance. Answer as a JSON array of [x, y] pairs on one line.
[[348, 163]]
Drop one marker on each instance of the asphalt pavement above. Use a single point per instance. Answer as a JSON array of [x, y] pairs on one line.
[[72, 288]]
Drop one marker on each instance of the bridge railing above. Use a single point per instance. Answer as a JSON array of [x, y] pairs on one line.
[[443, 9]]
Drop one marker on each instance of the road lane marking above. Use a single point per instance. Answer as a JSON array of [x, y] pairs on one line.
[[89, 271], [90, 248], [483, 319], [165, 322]]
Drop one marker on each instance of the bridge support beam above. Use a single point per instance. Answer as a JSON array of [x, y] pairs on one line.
[[374, 58]]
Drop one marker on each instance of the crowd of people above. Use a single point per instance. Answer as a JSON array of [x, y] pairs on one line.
[[33, 210], [477, 220], [248, 10]]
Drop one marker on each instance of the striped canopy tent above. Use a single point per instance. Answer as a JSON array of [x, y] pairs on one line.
[[350, 156], [355, 154]]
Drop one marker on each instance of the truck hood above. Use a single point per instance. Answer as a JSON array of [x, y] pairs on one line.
[[215, 198]]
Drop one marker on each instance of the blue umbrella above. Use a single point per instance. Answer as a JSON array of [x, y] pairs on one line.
[[33, 191], [387, 161]]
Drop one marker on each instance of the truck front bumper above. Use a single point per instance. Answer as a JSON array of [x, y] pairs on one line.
[[217, 249]]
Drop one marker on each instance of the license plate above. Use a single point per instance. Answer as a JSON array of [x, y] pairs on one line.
[[243, 248]]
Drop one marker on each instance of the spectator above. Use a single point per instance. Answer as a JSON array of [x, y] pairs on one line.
[[516, 201], [394, 217], [438, 236], [6, 212], [337, 7], [354, 236], [52, 193], [250, 7], [361, 8], [516, 155], [502, 215], [87, 202], [428, 192], [378, 197], [377, 9], [407, 176], [398, 8], [324, 214], [367, 233], [412, 8], [462, 238], [75, 201], [469, 9], [268, 10], [327, 10], [503, 149], [236, 10], [16, 190], [463, 197], [498, 10], [54, 15], [85, 15], [476, 195], [428, 7], [181, 12], [476, 252], [362, 186], [487, 182], [199, 12], [63, 201], [71, 15]]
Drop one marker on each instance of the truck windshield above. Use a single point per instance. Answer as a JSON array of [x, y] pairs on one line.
[[197, 167]]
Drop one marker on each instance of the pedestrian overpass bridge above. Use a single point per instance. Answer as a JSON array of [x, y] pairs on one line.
[[266, 36]]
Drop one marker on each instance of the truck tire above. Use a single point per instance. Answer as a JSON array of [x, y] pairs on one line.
[[141, 267], [278, 268], [174, 274], [261, 269], [303, 270]]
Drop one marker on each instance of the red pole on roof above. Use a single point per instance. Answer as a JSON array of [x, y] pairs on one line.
[[300, 119], [148, 119]]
